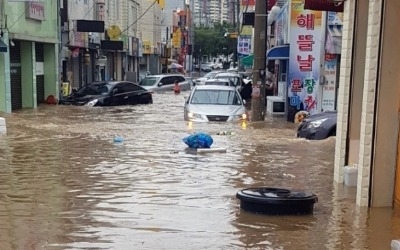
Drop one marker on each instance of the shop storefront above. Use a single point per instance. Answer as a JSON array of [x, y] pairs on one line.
[[369, 101]]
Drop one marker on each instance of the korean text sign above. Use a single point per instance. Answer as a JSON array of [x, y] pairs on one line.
[[304, 58]]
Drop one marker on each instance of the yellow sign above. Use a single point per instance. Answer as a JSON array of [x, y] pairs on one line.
[[65, 89], [147, 47], [114, 32], [247, 30], [176, 38]]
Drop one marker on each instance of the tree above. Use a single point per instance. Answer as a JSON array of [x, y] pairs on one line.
[[211, 40]]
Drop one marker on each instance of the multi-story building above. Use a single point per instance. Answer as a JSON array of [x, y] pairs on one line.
[[75, 44], [208, 12], [150, 25], [29, 48], [115, 53]]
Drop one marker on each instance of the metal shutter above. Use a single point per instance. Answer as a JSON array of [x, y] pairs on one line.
[[15, 76]]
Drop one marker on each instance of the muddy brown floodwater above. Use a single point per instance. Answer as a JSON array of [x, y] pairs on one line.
[[64, 184]]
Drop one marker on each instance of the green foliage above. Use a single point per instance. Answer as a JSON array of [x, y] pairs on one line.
[[211, 40]]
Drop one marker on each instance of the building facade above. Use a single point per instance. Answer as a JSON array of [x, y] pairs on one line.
[[29, 61], [208, 12], [369, 101], [150, 26]]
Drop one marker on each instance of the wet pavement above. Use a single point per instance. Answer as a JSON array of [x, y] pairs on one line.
[[64, 184]]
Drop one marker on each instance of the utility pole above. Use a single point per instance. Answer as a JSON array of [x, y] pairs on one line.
[[260, 64]]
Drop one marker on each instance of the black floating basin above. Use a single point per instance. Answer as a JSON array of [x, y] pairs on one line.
[[276, 201]]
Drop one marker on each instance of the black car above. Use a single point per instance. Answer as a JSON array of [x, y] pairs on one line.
[[109, 93], [319, 126]]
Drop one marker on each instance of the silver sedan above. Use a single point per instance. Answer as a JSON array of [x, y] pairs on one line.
[[214, 103]]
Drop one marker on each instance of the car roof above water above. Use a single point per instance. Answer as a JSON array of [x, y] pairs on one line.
[[214, 87], [108, 82], [164, 75]]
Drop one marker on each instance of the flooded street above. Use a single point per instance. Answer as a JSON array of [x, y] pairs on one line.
[[64, 184]]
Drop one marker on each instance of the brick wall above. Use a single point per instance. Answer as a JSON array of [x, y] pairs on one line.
[[368, 105]]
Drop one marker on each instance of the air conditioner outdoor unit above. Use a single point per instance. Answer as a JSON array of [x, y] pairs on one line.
[[276, 105]]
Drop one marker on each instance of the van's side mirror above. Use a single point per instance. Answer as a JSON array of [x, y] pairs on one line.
[[159, 84]]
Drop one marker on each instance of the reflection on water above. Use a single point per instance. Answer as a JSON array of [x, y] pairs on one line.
[[64, 184]]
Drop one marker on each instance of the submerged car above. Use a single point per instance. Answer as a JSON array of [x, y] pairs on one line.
[[220, 82], [164, 82], [109, 93], [214, 103], [202, 80], [235, 78], [318, 126]]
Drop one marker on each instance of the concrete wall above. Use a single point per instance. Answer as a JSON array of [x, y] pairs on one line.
[[51, 79], [5, 87], [357, 83], [344, 89], [28, 29]]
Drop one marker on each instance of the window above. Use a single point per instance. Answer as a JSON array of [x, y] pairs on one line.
[[216, 97], [168, 80], [181, 79], [118, 89], [130, 87]]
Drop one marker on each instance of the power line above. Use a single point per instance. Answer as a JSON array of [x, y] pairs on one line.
[[138, 17], [94, 4], [16, 21]]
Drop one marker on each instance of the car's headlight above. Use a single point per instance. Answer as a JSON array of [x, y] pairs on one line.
[[92, 103], [317, 123], [241, 117], [194, 116]]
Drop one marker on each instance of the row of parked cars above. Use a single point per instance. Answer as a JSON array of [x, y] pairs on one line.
[[212, 98], [113, 93]]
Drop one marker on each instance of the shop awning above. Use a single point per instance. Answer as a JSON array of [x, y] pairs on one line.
[[247, 61], [334, 39], [323, 5], [3, 47], [278, 53]]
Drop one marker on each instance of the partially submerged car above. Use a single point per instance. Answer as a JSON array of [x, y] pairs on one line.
[[164, 82], [233, 77], [318, 126], [214, 103], [202, 80], [220, 82], [109, 93]]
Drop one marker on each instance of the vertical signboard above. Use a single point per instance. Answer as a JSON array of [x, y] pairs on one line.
[[329, 87], [304, 59]]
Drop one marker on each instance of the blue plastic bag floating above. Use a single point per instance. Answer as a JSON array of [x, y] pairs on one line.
[[198, 140]]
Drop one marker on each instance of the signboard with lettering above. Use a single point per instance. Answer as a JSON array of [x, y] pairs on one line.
[[304, 59], [147, 47], [329, 87], [78, 39], [35, 10]]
